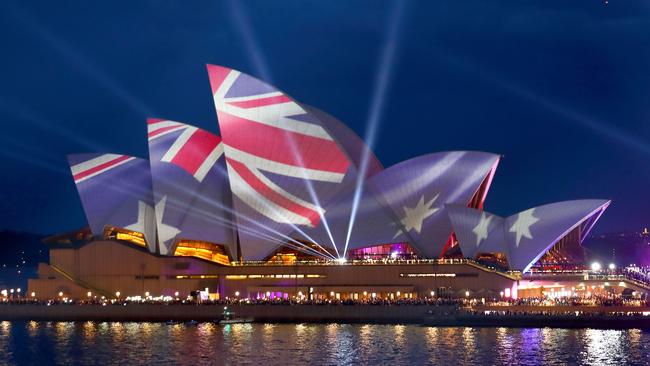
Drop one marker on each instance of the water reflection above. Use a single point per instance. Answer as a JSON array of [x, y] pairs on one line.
[[5, 328], [605, 347], [333, 344]]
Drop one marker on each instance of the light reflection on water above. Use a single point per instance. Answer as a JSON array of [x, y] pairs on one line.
[[330, 344]]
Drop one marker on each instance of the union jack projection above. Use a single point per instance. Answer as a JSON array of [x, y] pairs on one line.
[[190, 185], [115, 190], [279, 156], [194, 150]]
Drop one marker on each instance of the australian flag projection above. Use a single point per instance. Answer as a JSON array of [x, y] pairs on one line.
[[190, 185], [525, 236], [282, 163], [115, 190], [287, 174], [406, 202]]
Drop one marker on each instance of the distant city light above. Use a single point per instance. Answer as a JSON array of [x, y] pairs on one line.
[[33, 294], [341, 260], [595, 267], [612, 266], [89, 294], [117, 294], [60, 293], [236, 293]]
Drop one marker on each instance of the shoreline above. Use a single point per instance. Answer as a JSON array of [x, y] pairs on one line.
[[426, 315]]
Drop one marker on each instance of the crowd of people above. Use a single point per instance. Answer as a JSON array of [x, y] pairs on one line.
[[641, 274], [429, 301], [235, 301], [594, 300]]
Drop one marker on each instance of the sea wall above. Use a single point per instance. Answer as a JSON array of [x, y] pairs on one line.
[[260, 313]]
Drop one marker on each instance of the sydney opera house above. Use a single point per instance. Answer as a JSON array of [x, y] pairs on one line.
[[289, 202]]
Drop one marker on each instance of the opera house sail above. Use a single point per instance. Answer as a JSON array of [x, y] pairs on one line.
[[526, 236], [286, 183], [115, 192], [190, 186]]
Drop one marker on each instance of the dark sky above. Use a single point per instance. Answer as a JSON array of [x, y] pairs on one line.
[[560, 88]]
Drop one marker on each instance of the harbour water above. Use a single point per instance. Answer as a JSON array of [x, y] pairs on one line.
[[106, 343]]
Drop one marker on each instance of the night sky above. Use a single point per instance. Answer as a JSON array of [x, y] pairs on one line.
[[560, 88]]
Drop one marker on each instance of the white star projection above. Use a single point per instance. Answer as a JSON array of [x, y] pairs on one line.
[[165, 232], [414, 217], [521, 226], [481, 230], [143, 224]]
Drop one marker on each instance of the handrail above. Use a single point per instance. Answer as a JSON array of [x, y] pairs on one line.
[[79, 282]]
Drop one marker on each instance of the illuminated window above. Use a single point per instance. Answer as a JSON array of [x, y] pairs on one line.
[[204, 250], [427, 275], [196, 277], [236, 277], [132, 237], [274, 276]]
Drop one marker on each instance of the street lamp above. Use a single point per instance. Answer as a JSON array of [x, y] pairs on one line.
[[595, 267], [117, 294], [612, 266]]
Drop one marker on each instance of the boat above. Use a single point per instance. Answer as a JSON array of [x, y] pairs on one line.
[[229, 318]]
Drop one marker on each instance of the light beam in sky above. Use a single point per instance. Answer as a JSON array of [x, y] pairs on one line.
[[382, 82], [82, 63], [251, 45]]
